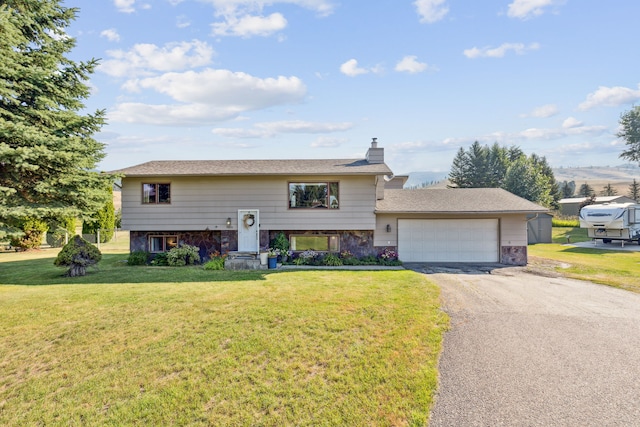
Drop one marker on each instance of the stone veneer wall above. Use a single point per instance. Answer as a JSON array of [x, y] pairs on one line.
[[513, 255], [358, 242], [207, 241]]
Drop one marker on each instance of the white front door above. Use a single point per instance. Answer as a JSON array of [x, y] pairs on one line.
[[248, 230]]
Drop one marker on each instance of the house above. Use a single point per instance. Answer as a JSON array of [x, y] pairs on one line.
[[324, 205], [571, 206]]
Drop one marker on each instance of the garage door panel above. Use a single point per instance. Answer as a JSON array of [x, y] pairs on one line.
[[448, 240]]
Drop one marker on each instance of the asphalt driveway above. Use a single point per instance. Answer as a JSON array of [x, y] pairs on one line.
[[527, 350]]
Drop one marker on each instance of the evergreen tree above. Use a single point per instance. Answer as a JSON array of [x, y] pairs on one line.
[[509, 168], [608, 190], [586, 191], [47, 153], [104, 220], [630, 132], [567, 189], [634, 190]]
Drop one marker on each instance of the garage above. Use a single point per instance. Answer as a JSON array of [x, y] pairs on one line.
[[448, 240]]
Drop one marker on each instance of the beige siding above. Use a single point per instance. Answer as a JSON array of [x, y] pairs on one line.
[[513, 230], [198, 203]]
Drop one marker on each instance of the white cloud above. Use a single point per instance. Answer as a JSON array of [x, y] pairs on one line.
[[247, 25], [125, 6], [571, 122], [500, 51], [244, 18], [111, 34], [207, 96], [431, 11], [169, 114], [610, 97], [525, 9], [410, 64], [548, 110], [271, 129], [351, 69], [145, 59]]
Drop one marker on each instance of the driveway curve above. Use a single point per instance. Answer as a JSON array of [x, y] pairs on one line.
[[528, 350]]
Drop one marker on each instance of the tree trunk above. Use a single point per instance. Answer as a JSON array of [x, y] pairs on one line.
[[77, 270]]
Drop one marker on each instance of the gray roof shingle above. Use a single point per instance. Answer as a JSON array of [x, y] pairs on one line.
[[455, 200], [255, 167]]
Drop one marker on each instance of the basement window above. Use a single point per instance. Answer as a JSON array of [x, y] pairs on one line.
[[319, 243], [162, 243]]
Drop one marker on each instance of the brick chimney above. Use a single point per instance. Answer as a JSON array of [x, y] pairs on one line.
[[375, 154]]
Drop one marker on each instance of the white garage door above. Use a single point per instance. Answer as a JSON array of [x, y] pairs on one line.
[[448, 240]]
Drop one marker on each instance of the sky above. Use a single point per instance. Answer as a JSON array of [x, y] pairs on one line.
[[305, 79]]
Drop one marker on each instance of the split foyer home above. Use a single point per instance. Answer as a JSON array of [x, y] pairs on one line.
[[325, 205]]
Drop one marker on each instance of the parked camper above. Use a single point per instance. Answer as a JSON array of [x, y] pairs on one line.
[[612, 221]]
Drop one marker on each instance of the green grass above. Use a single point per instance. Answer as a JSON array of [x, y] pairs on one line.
[[565, 222], [186, 346], [614, 268], [569, 234]]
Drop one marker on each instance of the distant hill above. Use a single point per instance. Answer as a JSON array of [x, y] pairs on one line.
[[596, 176], [624, 173], [417, 179]]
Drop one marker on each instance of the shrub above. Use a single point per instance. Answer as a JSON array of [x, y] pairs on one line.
[[565, 222], [78, 254], [369, 260], [183, 255], [160, 259], [138, 258], [33, 230], [280, 242], [332, 260], [215, 264]]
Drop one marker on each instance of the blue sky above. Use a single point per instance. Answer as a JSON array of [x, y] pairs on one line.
[[287, 79]]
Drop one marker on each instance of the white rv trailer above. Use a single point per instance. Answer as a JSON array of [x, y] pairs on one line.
[[612, 221]]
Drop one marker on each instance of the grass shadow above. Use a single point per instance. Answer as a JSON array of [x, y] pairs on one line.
[[113, 269]]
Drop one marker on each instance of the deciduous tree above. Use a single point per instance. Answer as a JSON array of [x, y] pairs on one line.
[[630, 132]]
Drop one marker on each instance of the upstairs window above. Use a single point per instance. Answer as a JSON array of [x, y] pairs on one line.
[[310, 195], [156, 193]]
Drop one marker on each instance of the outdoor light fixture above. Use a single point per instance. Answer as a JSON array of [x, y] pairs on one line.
[[228, 222], [388, 228]]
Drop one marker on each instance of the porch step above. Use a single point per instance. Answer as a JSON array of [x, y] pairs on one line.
[[243, 261]]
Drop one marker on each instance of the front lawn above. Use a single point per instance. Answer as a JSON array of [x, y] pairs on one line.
[[185, 346]]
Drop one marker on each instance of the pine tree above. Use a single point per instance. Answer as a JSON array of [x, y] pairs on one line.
[[47, 153], [634, 190], [608, 190], [586, 190], [509, 168]]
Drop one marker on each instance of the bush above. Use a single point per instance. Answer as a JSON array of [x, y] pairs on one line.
[[565, 222], [138, 258], [332, 260], [215, 264], [183, 255], [78, 254], [280, 242], [160, 260], [33, 230]]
